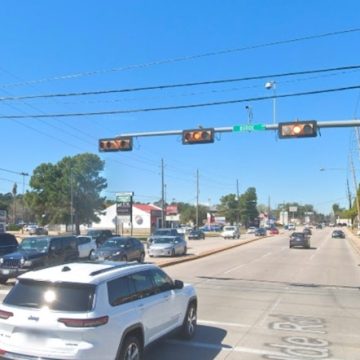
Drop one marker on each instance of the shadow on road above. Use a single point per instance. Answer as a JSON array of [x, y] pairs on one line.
[[206, 345]]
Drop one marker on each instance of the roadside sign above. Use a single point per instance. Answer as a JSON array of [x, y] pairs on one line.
[[249, 127], [124, 204]]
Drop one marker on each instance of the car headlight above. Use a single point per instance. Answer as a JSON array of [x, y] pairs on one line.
[[28, 263], [1, 260], [22, 261]]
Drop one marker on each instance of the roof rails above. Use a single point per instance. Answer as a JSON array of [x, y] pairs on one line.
[[119, 266]]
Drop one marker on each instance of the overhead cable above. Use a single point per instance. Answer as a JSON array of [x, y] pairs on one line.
[[169, 86], [179, 107]]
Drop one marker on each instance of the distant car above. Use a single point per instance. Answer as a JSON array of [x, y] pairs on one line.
[[299, 239], [307, 231], [230, 232], [158, 233], [38, 231], [196, 235], [251, 230], [274, 231], [318, 226], [87, 246], [260, 232], [291, 227], [338, 234], [168, 246], [120, 248]]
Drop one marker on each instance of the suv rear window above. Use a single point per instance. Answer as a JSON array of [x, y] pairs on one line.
[[55, 296]]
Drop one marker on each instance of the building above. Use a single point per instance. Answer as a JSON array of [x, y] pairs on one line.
[[146, 217]]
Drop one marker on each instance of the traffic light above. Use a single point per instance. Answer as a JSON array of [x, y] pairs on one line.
[[297, 129], [198, 136], [116, 144]]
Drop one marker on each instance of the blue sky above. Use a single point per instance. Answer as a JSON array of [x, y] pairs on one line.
[[43, 42]]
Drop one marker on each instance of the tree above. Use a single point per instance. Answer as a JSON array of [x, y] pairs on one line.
[[69, 191]]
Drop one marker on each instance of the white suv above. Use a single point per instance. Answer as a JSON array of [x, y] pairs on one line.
[[93, 311]]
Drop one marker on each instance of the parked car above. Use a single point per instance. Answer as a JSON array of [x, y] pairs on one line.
[[274, 231], [99, 235], [121, 248], [8, 243], [168, 246], [86, 245], [260, 232], [299, 239], [230, 232], [94, 311], [37, 252], [196, 235], [338, 234], [158, 233]]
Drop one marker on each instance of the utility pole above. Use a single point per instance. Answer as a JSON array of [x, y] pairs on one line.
[[197, 199], [71, 202], [23, 193], [238, 203], [356, 190], [162, 195]]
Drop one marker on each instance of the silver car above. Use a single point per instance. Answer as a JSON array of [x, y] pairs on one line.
[[168, 246]]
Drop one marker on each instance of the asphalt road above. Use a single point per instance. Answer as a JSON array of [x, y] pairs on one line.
[[263, 300], [266, 301]]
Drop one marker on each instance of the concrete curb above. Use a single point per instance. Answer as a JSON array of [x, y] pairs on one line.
[[354, 241], [208, 252]]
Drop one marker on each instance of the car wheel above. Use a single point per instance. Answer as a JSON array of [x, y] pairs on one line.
[[92, 255], [131, 349], [141, 258], [173, 252], [189, 325], [185, 250]]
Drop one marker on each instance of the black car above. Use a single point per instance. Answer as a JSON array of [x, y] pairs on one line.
[[338, 234], [196, 235], [260, 232], [121, 248], [307, 231], [8, 243], [37, 252], [299, 239]]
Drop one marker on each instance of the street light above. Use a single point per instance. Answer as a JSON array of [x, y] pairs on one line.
[[272, 85]]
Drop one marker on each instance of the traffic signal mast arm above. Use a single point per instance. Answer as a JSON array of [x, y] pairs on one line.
[[274, 127]]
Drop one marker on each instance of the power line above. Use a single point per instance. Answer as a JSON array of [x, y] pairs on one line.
[[179, 107], [182, 58], [171, 86]]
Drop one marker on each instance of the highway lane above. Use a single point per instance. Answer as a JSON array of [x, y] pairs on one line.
[[266, 301], [263, 300]]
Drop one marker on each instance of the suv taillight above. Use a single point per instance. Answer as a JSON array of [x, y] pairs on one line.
[[84, 322], [5, 314]]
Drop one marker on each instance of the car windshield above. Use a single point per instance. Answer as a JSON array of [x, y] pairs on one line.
[[297, 234], [164, 241], [229, 228], [94, 232], [163, 232], [35, 244], [114, 243]]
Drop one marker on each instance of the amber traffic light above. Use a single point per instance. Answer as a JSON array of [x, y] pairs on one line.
[[297, 129], [115, 144], [198, 136]]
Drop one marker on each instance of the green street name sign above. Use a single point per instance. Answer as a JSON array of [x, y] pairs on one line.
[[249, 127]]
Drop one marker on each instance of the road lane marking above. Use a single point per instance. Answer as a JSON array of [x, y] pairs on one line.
[[252, 261], [239, 349], [218, 323]]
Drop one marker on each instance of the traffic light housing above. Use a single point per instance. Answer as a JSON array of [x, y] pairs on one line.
[[122, 143], [198, 136], [297, 129]]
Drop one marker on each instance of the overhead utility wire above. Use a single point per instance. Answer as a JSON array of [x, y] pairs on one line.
[[179, 107], [183, 58], [161, 87]]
